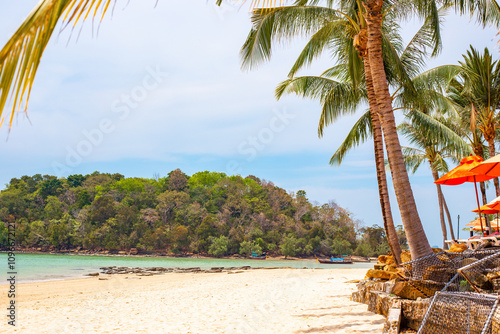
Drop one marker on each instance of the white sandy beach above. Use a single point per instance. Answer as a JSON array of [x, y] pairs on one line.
[[256, 301]]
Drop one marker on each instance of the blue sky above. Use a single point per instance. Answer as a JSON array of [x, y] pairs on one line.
[[161, 88]]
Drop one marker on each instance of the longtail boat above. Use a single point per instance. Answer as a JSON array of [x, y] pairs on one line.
[[336, 261], [262, 256]]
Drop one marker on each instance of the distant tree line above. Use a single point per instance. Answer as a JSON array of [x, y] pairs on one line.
[[208, 212]]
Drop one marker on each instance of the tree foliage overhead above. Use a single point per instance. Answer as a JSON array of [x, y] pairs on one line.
[[207, 212]]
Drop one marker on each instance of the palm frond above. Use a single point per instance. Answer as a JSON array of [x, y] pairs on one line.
[[340, 72], [343, 100], [280, 25], [329, 3], [259, 3], [266, 3], [486, 12], [434, 131], [315, 88], [396, 70], [428, 37], [321, 39], [428, 90], [360, 132], [21, 55], [413, 158], [438, 78], [440, 164], [337, 98]]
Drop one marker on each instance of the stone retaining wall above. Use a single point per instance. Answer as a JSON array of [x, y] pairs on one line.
[[400, 313]]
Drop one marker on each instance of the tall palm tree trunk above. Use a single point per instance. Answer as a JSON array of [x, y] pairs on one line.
[[450, 222], [378, 143], [441, 211], [485, 201], [417, 240], [477, 147]]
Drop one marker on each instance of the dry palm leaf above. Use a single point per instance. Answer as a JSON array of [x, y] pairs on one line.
[[20, 57]]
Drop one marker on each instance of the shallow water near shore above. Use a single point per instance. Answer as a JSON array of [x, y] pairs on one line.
[[46, 267]]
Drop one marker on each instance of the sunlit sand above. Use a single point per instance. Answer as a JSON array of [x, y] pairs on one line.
[[257, 301]]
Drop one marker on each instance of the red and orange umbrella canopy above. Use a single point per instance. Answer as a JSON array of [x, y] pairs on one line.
[[489, 167], [494, 203], [462, 173], [494, 206], [486, 209]]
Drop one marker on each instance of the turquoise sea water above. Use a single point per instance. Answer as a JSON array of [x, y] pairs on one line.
[[44, 267]]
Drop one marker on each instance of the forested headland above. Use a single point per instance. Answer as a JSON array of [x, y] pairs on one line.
[[207, 213]]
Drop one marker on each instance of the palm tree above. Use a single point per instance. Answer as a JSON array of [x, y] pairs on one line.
[[333, 27], [433, 142], [336, 31], [488, 11], [462, 122], [404, 194], [479, 85], [426, 93]]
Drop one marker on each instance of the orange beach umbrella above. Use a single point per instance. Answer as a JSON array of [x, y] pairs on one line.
[[494, 203], [475, 225], [489, 167], [495, 207], [462, 173], [487, 210], [476, 222]]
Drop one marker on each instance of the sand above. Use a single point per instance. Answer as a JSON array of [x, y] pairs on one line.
[[256, 301]]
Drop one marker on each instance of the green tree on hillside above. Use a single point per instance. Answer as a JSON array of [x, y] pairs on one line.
[[219, 246], [248, 215]]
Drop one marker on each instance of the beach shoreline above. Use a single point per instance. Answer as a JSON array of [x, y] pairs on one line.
[[255, 301], [169, 255], [44, 267]]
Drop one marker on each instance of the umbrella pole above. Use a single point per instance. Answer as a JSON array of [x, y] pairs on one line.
[[478, 206]]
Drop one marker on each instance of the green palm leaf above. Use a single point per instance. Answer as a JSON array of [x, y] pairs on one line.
[[413, 158], [427, 37], [257, 3], [359, 133], [486, 12], [280, 25], [319, 41], [337, 98], [428, 90], [431, 129]]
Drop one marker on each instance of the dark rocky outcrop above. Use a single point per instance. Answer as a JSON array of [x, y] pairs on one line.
[[149, 271]]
